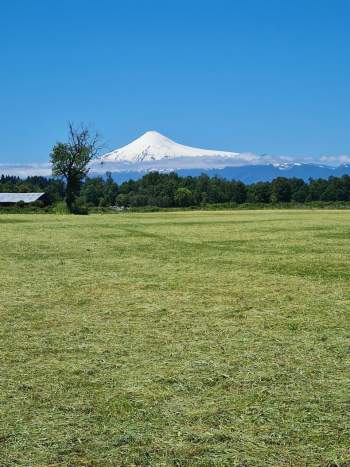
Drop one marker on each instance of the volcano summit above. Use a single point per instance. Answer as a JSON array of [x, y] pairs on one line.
[[153, 147]]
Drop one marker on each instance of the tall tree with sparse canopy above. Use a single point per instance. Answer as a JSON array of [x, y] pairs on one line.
[[70, 160]]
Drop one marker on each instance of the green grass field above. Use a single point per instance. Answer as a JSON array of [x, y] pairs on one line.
[[175, 339]]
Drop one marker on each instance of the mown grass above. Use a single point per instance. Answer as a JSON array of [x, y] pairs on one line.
[[175, 339]]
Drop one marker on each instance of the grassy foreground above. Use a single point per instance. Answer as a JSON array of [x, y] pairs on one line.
[[175, 339]]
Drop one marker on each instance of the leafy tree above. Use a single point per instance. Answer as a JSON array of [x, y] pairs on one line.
[[259, 192], [337, 189], [110, 190], [93, 190], [317, 188], [70, 160], [295, 185], [280, 190], [122, 200], [301, 195], [183, 197], [138, 200], [238, 192]]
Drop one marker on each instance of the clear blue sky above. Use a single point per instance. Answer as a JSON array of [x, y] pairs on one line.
[[247, 75]]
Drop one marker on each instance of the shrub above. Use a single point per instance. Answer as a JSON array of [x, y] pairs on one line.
[[60, 208], [183, 197], [80, 207], [21, 204]]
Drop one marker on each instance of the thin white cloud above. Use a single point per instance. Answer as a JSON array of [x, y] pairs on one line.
[[335, 160], [24, 170], [245, 159]]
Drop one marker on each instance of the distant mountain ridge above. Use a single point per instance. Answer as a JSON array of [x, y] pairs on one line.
[[251, 173]]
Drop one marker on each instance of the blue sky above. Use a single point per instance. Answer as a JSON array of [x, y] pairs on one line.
[[262, 76]]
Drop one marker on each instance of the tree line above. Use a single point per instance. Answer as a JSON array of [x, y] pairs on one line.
[[168, 190], [70, 183]]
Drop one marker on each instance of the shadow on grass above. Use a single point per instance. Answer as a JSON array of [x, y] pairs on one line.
[[13, 221]]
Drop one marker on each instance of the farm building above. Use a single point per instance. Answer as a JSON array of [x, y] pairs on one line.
[[7, 199]]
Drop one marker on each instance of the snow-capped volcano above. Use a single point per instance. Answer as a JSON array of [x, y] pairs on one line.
[[152, 146], [153, 151]]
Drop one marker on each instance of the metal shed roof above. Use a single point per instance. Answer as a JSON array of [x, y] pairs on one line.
[[16, 197]]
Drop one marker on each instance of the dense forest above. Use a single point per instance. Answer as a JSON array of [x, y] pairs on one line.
[[171, 190]]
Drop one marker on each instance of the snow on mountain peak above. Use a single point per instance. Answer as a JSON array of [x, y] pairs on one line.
[[152, 146]]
